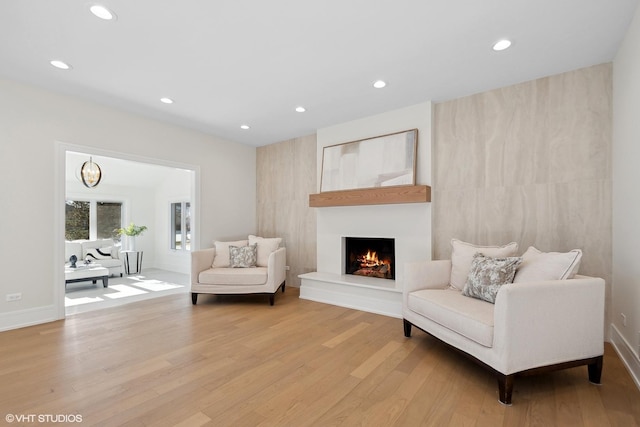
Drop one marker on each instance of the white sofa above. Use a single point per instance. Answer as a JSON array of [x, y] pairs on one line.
[[211, 272], [532, 327], [102, 251]]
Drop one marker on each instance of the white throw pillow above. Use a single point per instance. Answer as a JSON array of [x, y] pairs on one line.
[[221, 259], [462, 255], [537, 265], [265, 247]]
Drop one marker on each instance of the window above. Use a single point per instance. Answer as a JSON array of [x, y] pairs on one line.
[[76, 220], [108, 218], [92, 219], [181, 226]]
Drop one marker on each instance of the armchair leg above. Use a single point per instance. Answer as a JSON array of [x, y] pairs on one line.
[[272, 298], [194, 298], [283, 284], [595, 370], [407, 328], [505, 388]]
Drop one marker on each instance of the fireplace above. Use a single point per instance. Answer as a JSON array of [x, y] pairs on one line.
[[370, 257]]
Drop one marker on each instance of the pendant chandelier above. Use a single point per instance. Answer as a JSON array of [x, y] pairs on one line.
[[90, 173]]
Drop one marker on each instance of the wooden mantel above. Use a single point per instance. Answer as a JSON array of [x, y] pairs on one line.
[[372, 196]]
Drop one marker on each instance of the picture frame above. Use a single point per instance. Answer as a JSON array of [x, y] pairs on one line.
[[381, 161]]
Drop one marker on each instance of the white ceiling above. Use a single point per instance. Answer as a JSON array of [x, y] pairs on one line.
[[230, 62]]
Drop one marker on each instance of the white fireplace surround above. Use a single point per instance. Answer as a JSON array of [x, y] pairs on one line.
[[409, 224]]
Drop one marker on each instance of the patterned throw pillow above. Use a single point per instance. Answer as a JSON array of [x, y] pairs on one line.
[[99, 253], [243, 257], [488, 274]]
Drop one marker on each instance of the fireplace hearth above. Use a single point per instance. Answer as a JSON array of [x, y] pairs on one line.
[[370, 257]]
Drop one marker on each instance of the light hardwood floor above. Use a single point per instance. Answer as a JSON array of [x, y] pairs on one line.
[[237, 361]]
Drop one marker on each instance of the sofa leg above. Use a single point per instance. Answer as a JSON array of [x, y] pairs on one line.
[[505, 388], [194, 298], [283, 284], [272, 298], [595, 370], [407, 328]]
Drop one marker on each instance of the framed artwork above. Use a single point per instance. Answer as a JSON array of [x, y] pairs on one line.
[[382, 161]]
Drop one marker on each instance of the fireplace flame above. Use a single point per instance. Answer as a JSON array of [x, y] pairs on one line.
[[370, 259]]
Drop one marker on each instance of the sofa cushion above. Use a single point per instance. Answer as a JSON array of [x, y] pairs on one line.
[[234, 276], [221, 258], [488, 274], [462, 254], [109, 262], [265, 247], [537, 265], [470, 317], [242, 257]]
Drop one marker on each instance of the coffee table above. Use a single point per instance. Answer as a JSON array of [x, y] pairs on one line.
[[84, 273]]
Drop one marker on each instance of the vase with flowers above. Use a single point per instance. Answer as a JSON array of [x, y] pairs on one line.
[[131, 231]]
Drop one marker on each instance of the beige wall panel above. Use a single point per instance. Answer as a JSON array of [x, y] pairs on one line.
[[286, 175], [529, 163]]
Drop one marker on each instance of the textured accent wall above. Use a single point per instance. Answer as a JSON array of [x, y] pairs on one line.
[[529, 163], [286, 175]]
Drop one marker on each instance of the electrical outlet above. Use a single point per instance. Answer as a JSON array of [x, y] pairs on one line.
[[624, 319], [286, 267], [14, 297]]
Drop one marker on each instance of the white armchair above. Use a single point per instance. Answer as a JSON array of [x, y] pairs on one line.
[[211, 275]]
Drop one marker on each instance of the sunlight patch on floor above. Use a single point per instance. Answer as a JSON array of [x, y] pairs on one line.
[[124, 291], [152, 283], [70, 302]]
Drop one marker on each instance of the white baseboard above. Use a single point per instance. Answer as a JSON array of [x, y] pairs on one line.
[[28, 317], [374, 296], [626, 353]]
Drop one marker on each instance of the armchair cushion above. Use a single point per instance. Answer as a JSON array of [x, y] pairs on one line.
[[234, 276], [462, 254], [221, 258], [469, 317], [537, 265]]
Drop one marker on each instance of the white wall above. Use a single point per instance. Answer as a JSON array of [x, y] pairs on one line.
[[33, 123], [409, 224], [626, 199], [175, 188]]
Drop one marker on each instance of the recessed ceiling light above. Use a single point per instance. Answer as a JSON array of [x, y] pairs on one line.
[[60, 64], [301, 109], [166, 100], [245, 127], [501, 45], [379, 84], [102, 12]]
